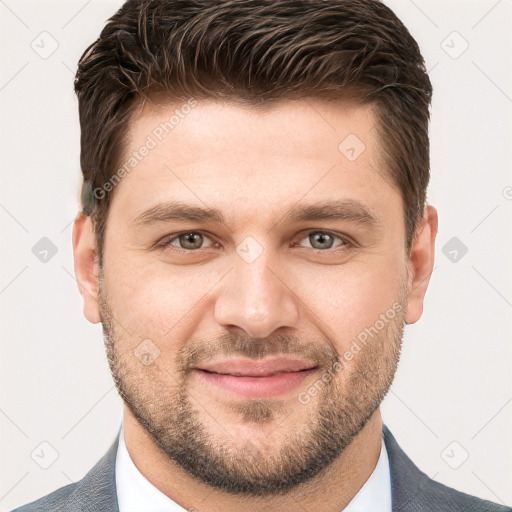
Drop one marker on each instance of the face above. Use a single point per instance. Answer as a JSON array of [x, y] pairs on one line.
[[254, 287]]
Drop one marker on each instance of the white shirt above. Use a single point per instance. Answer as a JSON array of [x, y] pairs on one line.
[[136, 494]]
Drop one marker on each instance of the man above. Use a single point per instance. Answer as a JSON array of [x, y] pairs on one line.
[[254, 237]]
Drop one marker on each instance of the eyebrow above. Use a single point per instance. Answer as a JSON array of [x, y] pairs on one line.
[[176, 210], [348, 210]]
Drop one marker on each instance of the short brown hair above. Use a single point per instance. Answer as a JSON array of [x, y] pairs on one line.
[[256, 51]]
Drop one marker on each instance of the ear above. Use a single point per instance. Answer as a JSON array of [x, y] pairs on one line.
[[86, 265], [421, 263]]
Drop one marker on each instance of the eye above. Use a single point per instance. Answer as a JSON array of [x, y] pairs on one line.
[[195, 240], [188, 240], [323, 240]]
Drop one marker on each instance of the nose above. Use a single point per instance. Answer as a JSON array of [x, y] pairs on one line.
[[255, 298]]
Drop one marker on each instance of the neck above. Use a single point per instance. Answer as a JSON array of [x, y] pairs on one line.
[[334, 487]]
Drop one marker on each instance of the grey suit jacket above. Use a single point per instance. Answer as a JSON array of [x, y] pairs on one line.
[[411, 489]]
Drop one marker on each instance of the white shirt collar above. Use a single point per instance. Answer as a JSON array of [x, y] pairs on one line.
[[136, 494], [375, 494]]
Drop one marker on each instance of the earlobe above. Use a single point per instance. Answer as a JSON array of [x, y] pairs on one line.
[[86, 266], [421, 263]]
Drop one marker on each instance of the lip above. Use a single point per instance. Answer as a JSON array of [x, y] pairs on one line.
[[256, 379], [242, 367]]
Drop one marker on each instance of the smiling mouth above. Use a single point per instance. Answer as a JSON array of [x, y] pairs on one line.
[[245, 367], [256, 379], [265, 375]]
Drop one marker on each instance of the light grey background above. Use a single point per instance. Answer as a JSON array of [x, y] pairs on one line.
[[452, 397]]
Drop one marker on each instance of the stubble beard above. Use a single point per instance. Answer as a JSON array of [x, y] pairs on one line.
[[176, 420]]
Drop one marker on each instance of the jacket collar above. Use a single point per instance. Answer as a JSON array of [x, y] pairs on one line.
[[98, 487], [407, 481]]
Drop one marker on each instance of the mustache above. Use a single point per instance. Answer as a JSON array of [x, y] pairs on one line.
[[231, 344]]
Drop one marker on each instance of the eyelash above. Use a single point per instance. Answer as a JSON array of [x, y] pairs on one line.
[[166, 242]]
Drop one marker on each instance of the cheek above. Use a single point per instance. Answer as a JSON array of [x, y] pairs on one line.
[[158, 300], [349, 298]]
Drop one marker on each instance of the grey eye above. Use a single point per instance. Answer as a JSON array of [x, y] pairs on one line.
[[321, 240], [191, 240]]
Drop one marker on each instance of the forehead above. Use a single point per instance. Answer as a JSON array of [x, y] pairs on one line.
[[249, 161]]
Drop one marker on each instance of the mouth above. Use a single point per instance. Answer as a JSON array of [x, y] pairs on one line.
[[256, 379]]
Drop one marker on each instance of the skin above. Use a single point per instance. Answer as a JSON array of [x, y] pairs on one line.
[[252, 165]]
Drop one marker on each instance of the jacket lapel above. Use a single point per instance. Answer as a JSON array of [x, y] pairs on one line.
[[97, 489], [407, 481]]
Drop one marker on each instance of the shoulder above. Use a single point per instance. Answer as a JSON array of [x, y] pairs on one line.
[[58, 501], [414, 491], [450, 499], [96, 492]]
